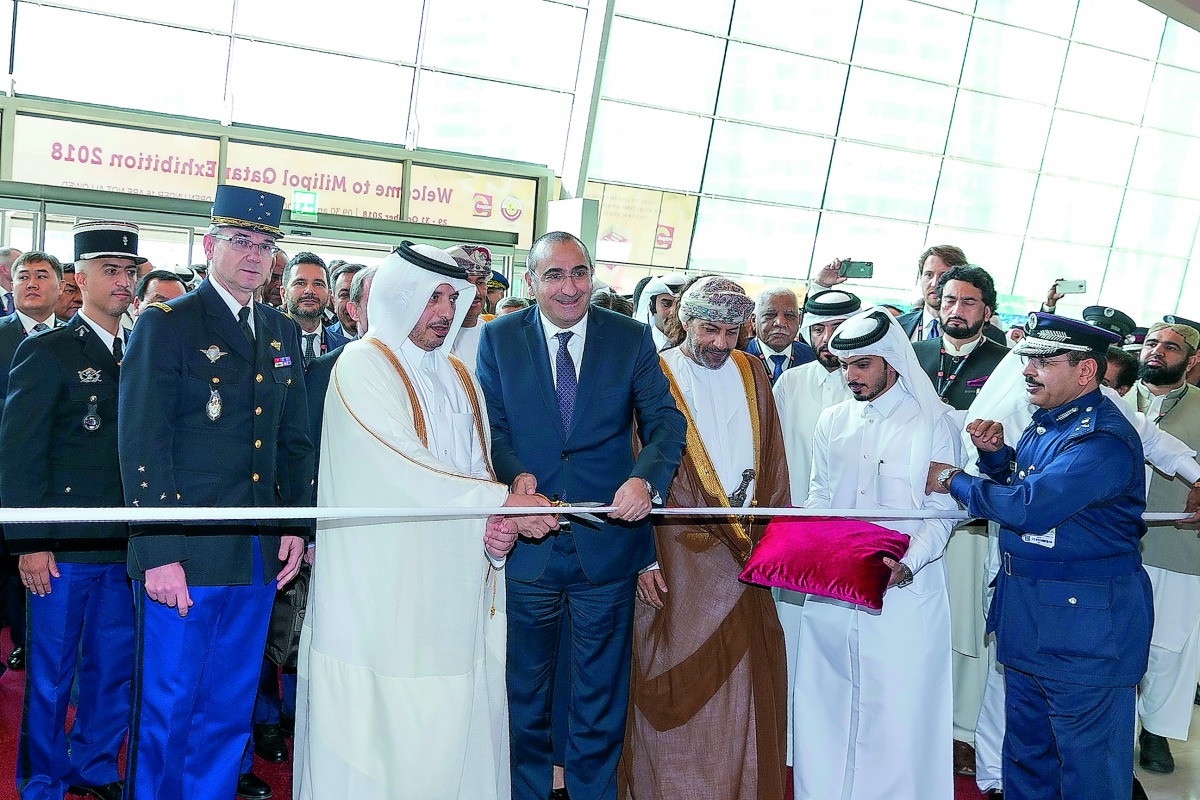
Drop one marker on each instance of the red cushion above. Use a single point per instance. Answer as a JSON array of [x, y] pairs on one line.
[[826, 556]]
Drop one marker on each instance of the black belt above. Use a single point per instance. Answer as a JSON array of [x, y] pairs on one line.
[[1071, 570]]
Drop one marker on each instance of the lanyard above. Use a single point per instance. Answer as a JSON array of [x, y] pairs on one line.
[[944, 383]]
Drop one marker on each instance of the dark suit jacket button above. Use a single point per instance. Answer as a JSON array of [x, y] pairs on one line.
[[553, 498], [565, 457]]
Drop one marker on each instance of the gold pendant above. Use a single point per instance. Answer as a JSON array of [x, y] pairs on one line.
[[213, 407]]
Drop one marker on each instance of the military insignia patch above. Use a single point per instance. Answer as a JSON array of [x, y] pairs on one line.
[[276, 345], [283, 361], [213, 352], [160, 307], [89, 375]]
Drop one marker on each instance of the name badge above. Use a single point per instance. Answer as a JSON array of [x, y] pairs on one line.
[[1041, 539], [284, 361]]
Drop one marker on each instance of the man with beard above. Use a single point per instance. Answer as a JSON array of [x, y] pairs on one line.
[[306, 293], [801, 395], [1193, 374], [1072, 606], [776, 325], [872, 710], [402, 661], [701, 716], [655, 306], [477, 261], [58, 445], [69, 300], [958, 363], [1171, 559]]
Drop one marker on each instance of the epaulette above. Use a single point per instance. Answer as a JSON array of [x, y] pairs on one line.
[[160, 306]]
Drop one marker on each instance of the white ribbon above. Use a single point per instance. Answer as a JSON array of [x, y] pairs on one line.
[[9, 516]]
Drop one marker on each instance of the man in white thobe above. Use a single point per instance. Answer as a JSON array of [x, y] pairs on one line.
[[401, 678], [656, 305], [873, 698], [801, 394], [477, 261]]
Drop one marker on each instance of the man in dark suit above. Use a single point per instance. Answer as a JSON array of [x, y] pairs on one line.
[[38, 281], [776, 319], [213, 413], [58, 448], [567, 431], [961, 359], [306, 297]]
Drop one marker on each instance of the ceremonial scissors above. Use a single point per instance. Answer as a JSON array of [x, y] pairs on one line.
[[590, 519]]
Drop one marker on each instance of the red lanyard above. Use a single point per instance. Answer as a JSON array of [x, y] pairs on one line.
[[943, 388]]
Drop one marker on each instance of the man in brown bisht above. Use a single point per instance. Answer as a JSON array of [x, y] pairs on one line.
[[708, 698]]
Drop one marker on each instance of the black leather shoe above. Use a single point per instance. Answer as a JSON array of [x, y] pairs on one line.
[[16, 659], [1156, 753], [1138, 792], [109, 791], [559, 794], [269, 744], [287, 725], [252, 787]]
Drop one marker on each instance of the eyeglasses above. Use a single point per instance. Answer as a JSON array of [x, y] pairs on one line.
[[557, 277], [244, 245], [1042, 363]]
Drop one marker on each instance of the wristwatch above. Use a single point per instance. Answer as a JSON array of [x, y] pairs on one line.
[[908, 575], [943, 478], [650, 490]]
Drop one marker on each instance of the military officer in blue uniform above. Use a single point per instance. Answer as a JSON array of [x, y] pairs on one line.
[[213, 413], [1072, 611], [58, 448]]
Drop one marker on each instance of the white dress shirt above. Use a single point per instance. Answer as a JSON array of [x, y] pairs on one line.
[[574, 346], [27, 322], [234, 306], [105, 337]]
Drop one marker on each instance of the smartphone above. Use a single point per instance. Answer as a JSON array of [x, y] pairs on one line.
[[1071, 287], [856, 269]]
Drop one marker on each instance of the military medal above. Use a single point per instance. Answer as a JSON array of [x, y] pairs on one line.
[[213, 407], [91, 420], [89, 375], [213, 352]]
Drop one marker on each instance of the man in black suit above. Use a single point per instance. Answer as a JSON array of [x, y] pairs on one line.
[[38, 279], [213, 413], [306, 297], [921, 323], [58, 448], [958, 363], [776, 341]]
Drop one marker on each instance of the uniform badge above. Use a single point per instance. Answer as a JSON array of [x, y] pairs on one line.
[[283, 361], [213, 407], [276, 345], [1032, 322], [89, 375], [91, 420], [213, 352]]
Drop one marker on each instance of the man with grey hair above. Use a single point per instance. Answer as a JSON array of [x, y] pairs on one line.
[[8, 255], [341, 278], [776, 319], [306, 295]]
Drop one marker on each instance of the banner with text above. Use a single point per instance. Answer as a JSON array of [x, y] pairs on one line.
[[352, 187], [643, 226], [56, 152], [473, 200]]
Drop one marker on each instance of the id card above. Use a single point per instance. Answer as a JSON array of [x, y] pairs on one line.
[[1040, 539]]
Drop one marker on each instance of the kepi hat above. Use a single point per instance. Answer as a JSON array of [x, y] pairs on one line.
[[252, 209], [106, 239]]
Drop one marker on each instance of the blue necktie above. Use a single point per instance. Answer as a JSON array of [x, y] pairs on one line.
[[778, 367], [933, 330], [565, 383]]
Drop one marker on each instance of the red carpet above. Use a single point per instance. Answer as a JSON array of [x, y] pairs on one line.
[[12, 688]]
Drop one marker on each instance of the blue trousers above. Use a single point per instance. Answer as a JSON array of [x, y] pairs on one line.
[[1064, 741], [194, 684], [88, 611], [601, 630], [275, 698]]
